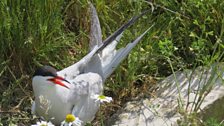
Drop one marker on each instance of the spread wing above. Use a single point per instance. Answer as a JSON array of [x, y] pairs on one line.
[[103, 58], [95, 41]]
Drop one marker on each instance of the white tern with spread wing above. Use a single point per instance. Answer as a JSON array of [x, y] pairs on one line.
[[58, 93]]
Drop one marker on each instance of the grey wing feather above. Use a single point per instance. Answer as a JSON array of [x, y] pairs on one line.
[[72, 71], [86, 109], [120, 30], [109, 67], [94, 61], [95, 40], [106, 51], [95, 31], [86, 85], [98, 61]]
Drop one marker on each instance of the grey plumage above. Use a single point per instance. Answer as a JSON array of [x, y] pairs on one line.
[[83, 79]]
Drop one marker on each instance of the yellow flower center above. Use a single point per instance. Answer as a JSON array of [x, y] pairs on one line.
[[69, 118], [102, 97]]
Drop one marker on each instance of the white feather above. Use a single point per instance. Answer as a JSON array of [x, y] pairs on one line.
[[86, 77]]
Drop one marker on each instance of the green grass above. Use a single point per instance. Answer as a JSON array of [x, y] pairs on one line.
[[33, 33]]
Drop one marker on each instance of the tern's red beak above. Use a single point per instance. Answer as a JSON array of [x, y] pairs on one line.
[[59, 80]]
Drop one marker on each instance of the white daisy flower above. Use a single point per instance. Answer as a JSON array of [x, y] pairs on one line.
[[43, 123], [71, 120], [102, 98]]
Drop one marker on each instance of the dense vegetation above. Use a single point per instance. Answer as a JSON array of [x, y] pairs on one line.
[[187, 33]]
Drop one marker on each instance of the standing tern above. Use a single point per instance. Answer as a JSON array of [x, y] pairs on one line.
[[58, 93]]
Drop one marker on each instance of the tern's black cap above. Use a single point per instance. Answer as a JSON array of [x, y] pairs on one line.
[[46, 71]]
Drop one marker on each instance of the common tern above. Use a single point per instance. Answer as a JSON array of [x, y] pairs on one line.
[[58, 93]]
